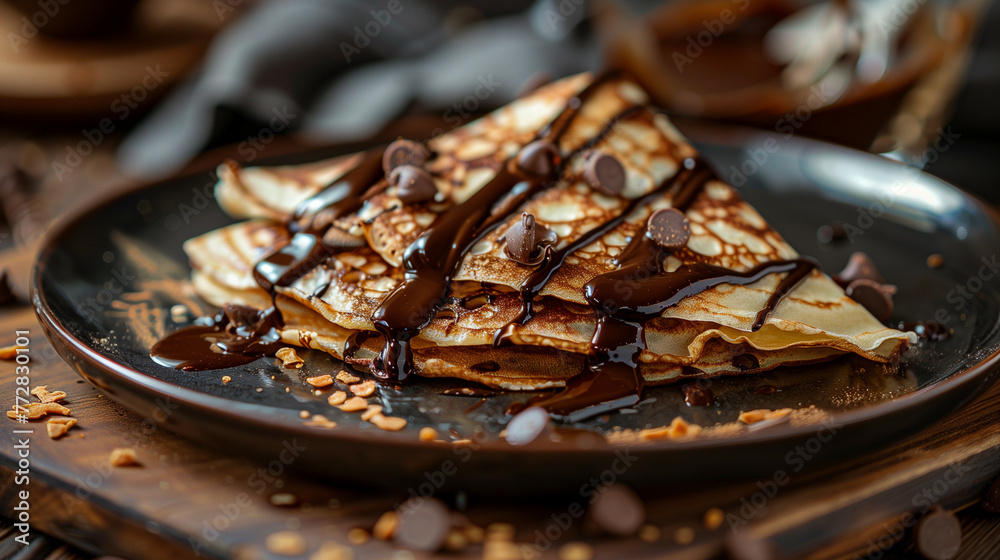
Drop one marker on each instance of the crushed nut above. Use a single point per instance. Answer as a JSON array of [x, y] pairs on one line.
[[354, 404], [714, 518], [34, 411], [347, 378], [45, 396], [754, 416], [226, 379], [332, 551], [386, 526], [286, 543], [57, 427], [288, 357], [576, 551], [324, 380], [357, 536], [388, 423], [370, 412], [320, 421], [363, 389], [124, 457], [678, 429], [684, 535], [8, 352], [337, 398], [428, 433], [304, 414]]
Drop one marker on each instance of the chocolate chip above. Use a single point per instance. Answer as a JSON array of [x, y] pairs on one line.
[[241, 315], [604, 173], [404, 152], [413, 184], [939, 535], [538, 159], [669, 228], [873, 296], [527, 426], [526, 240], [424, 524], [860, 266], [991, 502], [833, 232], [696, 394], [618, 510], [745, 362]]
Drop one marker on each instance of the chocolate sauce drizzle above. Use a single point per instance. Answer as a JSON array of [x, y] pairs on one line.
[[640, 290], [611, 378], [216, 343], [431, 260]]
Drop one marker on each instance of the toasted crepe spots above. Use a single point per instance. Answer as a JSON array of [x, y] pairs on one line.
[[704, 333]]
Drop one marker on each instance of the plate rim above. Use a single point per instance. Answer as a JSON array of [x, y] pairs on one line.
[[203, 402]]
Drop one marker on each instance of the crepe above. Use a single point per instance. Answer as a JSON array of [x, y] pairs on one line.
[[334, 302]]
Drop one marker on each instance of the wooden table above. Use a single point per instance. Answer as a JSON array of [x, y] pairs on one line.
[[165, 508]]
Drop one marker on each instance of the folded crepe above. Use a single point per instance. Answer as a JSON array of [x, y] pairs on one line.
[[570, 239]]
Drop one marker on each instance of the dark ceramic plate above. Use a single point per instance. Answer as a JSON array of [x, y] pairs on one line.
[[107, 279]]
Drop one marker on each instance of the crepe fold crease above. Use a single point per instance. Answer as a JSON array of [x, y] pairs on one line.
[[703, 333]]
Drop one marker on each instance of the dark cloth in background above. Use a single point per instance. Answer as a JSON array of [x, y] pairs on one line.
[[284, 66]]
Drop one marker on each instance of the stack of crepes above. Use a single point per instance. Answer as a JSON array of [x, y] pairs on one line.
[[708, 331]]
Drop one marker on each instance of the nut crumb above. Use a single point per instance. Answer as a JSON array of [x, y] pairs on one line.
[[714, 518], [124, 457], [226, 379], [371, 412], [57, 427], [935, 261], [337, 398], [286, 543], [428, 433], [288, 357], [576, 551], [34, 411], [388, 423], [386, 526], [8, 352], [678, 429], [45, 396], [320, 421], [324, 380], [354, 404], [304, 414], [347, 378], [754, 416], [357, 536], [332, 551], [364, 389]]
